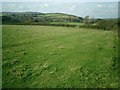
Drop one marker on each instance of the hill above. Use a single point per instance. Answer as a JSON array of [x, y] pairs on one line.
[[57, 19], [37, 17]]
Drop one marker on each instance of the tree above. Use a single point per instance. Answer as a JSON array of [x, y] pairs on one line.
[[87, 20]]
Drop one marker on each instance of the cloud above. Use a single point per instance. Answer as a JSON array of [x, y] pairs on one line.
[[99, 6], [72, 8], [43, 5], [46, 5]]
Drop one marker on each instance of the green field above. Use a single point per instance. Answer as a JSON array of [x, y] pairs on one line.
[[57, 57]]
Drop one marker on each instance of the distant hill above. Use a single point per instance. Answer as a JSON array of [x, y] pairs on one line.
[[57, 19], [37, 17]]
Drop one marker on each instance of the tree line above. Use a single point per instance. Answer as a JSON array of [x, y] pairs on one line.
[[38, 17]]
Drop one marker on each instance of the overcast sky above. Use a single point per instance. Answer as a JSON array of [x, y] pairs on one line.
[[59, 0], [92, 8]]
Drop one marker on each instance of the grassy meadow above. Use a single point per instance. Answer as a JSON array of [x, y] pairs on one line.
[[58, 57]]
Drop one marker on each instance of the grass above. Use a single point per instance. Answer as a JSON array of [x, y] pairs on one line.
[[57, 57]]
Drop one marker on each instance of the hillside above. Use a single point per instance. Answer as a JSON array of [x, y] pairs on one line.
[[57, 19], [35, 17]]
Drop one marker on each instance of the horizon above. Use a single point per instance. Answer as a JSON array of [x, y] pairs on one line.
[[81, 9], [57, 13]]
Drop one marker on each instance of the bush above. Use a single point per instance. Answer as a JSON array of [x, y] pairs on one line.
[[107, 24]]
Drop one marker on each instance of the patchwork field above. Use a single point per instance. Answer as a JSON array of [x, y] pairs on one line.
[[57, 57]]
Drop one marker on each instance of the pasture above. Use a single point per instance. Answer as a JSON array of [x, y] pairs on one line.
[[58, 57]]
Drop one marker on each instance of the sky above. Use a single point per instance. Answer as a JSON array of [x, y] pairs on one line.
[[59, 0], [96, 9]]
